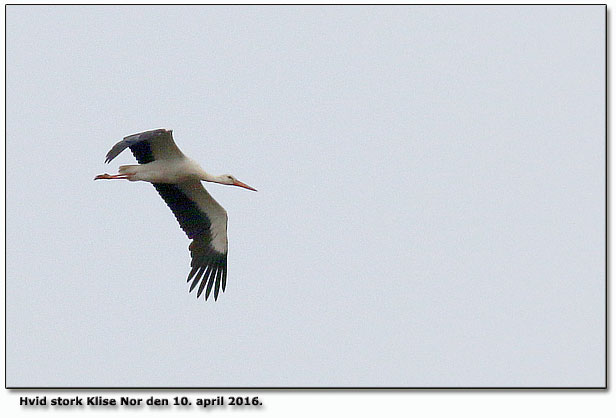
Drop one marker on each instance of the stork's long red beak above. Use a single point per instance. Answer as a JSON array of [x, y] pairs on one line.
[[244, 185]]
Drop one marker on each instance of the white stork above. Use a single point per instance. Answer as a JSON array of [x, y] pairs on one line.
[[178, 181]]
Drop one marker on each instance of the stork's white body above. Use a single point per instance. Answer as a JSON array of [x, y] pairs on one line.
[[174, 170]]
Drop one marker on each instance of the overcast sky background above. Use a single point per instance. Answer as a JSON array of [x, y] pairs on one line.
[[431, 206]]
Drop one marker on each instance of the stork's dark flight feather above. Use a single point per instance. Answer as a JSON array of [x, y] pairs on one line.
[[197, 226], [147, 146]]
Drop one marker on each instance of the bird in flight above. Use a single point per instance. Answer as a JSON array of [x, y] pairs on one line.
[[178, 181]]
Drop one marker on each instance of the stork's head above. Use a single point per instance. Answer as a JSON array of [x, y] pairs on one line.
[[232, 181]]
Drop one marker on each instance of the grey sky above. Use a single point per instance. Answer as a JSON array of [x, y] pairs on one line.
[[430, 208]]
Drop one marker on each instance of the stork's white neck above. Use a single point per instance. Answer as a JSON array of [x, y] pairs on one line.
[[204, 176]]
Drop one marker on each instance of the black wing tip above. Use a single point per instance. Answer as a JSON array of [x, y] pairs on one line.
[[210, 276], [115, 151]]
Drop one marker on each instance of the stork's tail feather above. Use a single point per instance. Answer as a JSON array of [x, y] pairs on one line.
[[128, 168]]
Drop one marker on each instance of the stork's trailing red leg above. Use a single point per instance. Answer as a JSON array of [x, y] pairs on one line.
[[106, 176]]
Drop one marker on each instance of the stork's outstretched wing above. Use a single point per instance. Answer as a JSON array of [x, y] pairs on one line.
[[148, 146], [205, 222]]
